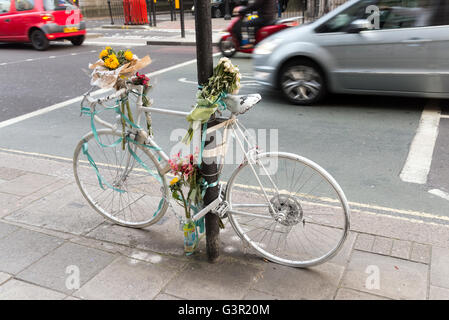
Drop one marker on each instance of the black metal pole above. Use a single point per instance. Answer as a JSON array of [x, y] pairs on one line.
[[170, 2], [181, 18], [203, 34], [149, 9], [153, 9], [149, 12], [110, 11], [227, 11]]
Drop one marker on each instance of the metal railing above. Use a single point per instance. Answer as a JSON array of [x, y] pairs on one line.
[[310, 10]]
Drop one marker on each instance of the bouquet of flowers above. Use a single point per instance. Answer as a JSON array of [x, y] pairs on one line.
[[113, 67], [187, 176], [225, 80]]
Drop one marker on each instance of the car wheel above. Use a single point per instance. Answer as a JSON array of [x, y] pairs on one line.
[[77, 41], [227, 47], [302, 82], [39, 40], [216, 13]]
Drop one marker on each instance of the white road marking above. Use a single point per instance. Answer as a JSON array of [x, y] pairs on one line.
[[124, 44], [79, 98], [440, 193], [417, 165], [43, 58], [444, 116]]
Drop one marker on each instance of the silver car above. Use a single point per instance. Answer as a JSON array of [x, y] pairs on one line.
[[392, 47]]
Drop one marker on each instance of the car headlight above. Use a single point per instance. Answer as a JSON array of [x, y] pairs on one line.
[[266, 47]]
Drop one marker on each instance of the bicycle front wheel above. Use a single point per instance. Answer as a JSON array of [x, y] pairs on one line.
[[289, 209], [125, 190]]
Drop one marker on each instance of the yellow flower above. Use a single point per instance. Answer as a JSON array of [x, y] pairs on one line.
[[108, 48], [103, 54], [174, 180], [128, 55], [112, 62]]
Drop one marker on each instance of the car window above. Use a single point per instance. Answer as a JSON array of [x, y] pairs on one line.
[[5, 5], [441, 16], [384, 14], [53, 5], [341, 22], [23, 5], [405, 13]]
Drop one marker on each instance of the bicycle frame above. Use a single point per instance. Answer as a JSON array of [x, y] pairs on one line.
[[233, 124]]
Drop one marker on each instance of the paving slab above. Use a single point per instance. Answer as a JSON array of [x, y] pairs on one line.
[[382, 245], [19, 290], [162, 237], [437, 293], [288, 283], [53, 271], [364, 242], [401, 249], [26, 184], [349, 294], [64, 210], [343, 256], [6, 229], [11, 203], [24, 247], [4, 277], [439, 267], [127, 279], [398, 228], [398, 278], [7, 201], [10, 173], [226, 279], [36, 164], [420, 253]]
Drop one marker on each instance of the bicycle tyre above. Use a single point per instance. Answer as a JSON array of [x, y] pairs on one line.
[[114, 189], [289, 213]]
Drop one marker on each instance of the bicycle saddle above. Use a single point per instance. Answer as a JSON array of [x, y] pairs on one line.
[[239, 104]]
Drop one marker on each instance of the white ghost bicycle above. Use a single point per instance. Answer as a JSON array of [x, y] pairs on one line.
[[286, 207]]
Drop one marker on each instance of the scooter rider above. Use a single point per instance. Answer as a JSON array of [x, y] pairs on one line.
[[266, 10]]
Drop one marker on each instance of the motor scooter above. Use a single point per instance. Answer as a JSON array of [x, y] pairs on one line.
[[229, 44]]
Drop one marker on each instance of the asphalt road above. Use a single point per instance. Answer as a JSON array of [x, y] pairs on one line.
[[363, 141], [31, 79]]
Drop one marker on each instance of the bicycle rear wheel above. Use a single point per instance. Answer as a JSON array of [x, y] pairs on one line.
[[124, 190], [289, 209]]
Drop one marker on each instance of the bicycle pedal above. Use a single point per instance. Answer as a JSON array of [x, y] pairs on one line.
[[222, 209]]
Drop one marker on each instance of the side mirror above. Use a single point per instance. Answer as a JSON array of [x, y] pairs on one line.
[[359, 25]]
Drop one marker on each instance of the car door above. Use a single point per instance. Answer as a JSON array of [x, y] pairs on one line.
[[393, 56], [439, 49], [24, 17], [6, 11]]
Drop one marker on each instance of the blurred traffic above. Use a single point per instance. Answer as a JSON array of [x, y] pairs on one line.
[[391, 47]]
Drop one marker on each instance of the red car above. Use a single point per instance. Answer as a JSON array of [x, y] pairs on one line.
[[41, 21]]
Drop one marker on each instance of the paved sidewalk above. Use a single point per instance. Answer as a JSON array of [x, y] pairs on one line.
[[48, 233], [172, 30]]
